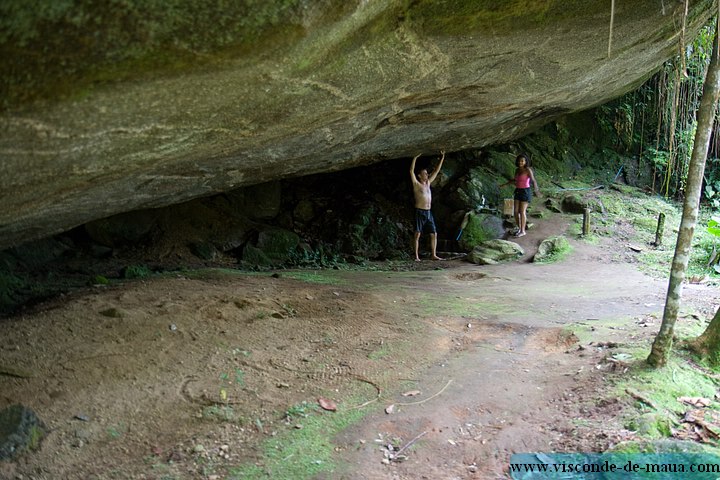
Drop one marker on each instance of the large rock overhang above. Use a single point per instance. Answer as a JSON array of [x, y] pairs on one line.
[[321, 86]]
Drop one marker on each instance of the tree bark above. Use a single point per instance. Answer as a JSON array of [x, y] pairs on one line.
[[706, 115], [707, 345]]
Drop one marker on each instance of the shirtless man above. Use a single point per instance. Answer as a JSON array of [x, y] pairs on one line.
[[424, 221]]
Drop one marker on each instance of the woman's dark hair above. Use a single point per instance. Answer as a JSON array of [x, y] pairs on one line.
[[527, 160]]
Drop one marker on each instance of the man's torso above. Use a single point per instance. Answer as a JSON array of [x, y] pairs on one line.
[[423, 196]]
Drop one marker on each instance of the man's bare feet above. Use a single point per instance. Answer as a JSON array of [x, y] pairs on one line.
[[417, 259], [435, 257]]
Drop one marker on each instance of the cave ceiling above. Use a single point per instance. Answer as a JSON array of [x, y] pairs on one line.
[[125, 108]]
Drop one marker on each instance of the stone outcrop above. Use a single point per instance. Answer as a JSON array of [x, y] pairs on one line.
[[111, 111], [492, 252]]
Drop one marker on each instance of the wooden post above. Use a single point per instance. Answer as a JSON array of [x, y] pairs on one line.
[[586, 222], [660, 230]]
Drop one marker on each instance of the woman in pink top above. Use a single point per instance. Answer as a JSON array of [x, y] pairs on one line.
[[523, 194]]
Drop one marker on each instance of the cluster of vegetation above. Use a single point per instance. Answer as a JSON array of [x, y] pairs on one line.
[[655, 125]]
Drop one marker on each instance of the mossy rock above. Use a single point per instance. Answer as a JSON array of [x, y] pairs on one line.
[[574, 203], [496, 251], [553, 205], [471, 189], [552, 249], [277, 244], [480, 228], [20, 431], [653, 425], [255, 257]]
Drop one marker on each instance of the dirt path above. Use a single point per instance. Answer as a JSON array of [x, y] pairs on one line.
[[187, 375], [517, 381]]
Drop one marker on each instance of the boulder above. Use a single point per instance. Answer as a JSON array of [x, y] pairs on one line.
[[551, 248], [20, 430], [480, 228], [492, 252]]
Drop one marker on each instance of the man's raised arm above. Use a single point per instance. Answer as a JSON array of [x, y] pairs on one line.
[[437, 169], [412, 168]]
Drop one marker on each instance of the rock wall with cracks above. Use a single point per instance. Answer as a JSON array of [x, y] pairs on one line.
[[110, 111]]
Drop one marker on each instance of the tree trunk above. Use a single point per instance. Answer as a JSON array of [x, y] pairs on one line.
[[706, 115], [707, 345], [660, 230]]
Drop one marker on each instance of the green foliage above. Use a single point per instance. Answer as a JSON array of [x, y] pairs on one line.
[[639, 123], [714, 226], [323, 256], [712, 183], [99, 280], [300, 410], [714, 230], [136, 272]]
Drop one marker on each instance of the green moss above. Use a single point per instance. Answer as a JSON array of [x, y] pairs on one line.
[[476, 232], [128, 39], [297, 454], [455, 17], [553, 249], [35, 436], [99, 280], [664, 386]]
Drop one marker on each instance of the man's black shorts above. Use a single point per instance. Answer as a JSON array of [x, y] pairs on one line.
[[523, 194], [424, 221]]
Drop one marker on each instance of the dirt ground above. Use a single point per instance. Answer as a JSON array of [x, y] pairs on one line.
[[185, 376]]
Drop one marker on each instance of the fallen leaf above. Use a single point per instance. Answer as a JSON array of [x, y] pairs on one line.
[[411, 393], [327, 404]]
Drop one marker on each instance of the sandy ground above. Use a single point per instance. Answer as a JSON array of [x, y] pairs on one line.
[[185, 375]]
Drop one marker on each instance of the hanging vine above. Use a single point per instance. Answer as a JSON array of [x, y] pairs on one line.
[[665, 109]]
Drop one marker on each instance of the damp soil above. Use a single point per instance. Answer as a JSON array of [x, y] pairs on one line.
[[186, 375]]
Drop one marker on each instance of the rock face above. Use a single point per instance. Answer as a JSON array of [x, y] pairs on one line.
[[115, 110]]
